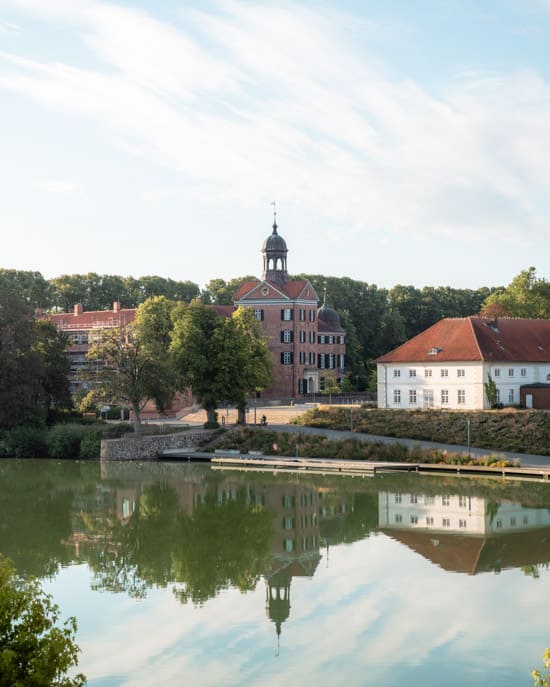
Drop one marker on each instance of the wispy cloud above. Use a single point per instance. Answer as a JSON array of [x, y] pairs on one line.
[[56, 186], [276, 96]]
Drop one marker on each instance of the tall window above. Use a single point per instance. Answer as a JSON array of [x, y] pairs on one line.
[[412, 373], [259, 314], [302, 314], [287, 358], [287, 336], [461, 396], [312, 315], [302, 357], [523, 372], [461, 373], [287, 314], [397, 373], [496, 372], [312, 337], [510, 372], [511, 396], [322, 363], [397, 395], [311, 358], [412, 396], [444, 372], [444, 396], [427, 373], [321, 338], [302, 336]]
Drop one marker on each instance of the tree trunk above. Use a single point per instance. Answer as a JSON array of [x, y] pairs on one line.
[[241, 415], [137, 419], [211, 415]]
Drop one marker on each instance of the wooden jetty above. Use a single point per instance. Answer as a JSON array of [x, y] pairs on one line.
[[370, 468]]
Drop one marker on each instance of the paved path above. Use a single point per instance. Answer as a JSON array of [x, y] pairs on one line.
[[279, 416]]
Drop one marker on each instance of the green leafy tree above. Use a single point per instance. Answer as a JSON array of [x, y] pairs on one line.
[[221, 292], [34, 650], [128, 373], [200, 356], [29, 286], [526, 296], [33, 368], [248, 353]]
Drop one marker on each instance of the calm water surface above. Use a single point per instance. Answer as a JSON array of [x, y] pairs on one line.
[[183, 575]]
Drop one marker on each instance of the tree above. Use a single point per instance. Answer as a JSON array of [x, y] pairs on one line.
[[542, 679], [133, 365], [34, 650], [220, 292], [526, 296], [248, 353], [200, 356], [221, 359], [491, 391], [51, 344]]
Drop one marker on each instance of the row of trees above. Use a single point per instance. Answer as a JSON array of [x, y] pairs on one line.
[[375, 319], [171, 347]]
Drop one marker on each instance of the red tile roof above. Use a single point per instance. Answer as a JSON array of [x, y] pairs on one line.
[[292, 289], [224, 310], [477, 338], [93, 319]]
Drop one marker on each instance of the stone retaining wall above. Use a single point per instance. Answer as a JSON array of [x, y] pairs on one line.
[[148, 448]]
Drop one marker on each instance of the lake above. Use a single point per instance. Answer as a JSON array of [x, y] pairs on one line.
[[181, 574]]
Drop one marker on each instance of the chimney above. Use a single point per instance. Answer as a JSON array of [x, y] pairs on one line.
[[78, 309], [116, 306]]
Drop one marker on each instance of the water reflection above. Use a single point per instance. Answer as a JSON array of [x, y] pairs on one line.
[[409, 562]]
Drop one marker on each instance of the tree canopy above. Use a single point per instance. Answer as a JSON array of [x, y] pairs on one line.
[[34, 650], [526, 296]]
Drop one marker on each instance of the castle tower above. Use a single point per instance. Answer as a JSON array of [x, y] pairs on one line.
[[274, 253]]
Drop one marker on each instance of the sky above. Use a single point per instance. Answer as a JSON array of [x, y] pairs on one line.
[[404, 142]]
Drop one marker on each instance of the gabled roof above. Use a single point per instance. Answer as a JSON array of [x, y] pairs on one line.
[[292, 290], [468, 339]]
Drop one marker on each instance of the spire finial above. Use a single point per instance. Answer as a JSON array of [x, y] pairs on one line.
[[274, 203], [325, 295]]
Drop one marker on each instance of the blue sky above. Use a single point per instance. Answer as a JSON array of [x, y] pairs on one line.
[[404, 141]]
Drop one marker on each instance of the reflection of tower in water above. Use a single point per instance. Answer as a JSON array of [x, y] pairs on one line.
[[277, 598], [295, 547]]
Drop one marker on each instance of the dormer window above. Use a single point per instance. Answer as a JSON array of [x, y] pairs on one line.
[[435, 350]]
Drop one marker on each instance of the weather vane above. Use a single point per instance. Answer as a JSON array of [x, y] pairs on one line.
[[274, 203]]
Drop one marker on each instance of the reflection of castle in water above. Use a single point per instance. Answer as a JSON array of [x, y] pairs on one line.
[[469, 534]]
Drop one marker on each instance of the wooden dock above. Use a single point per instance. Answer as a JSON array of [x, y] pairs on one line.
[[366, 468]]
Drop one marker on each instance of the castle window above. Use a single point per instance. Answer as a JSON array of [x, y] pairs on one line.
[[341, 339], [287, 336], [461, 396], [302, 336], [412, 373], [511, 372], [497, 372], [523, 372], [427, 373], [461, 373], [302, 357], [312, 315], [287, 358], [444, 372], [331, 360], [287, 314], [412, 396], [321, 339], [397, 396], [397, 373], [510, 396], [312, 337], [259, 314], [311, 358], [302, 314], [321, 363]]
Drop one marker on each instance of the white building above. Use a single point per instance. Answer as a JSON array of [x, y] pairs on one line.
[[448, 365]]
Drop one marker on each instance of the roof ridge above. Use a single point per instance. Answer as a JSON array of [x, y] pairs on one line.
[[474, 333]]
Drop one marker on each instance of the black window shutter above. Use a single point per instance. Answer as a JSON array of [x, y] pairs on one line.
[[282, 337], [282, 358], [262, 315], [282, 314]]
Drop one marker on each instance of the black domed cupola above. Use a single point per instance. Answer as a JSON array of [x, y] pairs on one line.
[[274, 252], [329, 316]]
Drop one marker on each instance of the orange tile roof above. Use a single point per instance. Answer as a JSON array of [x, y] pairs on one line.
[[477, 339]]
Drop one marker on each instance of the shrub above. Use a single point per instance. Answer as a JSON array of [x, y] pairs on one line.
[[27, 442], [64, 441], [90, 445]]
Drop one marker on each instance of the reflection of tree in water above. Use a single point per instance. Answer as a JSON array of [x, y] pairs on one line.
[[220, 544]]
